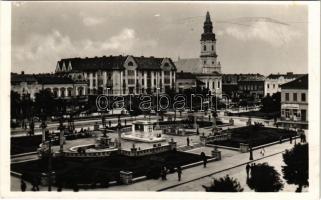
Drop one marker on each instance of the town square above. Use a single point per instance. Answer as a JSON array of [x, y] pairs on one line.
[[159, 97]]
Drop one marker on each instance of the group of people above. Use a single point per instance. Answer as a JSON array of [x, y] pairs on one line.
[[164, 172], [35, 184], [249, 168]]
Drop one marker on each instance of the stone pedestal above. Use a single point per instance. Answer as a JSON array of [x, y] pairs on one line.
[[249, 122], [44, 179], [96, 127], [126, 177], [244, 147], [216, 154], [203, 139], [173, 144]]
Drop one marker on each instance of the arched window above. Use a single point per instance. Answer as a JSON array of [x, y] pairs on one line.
[[130, 63]]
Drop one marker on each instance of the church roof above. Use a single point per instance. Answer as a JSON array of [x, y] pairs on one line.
[[299, 83], [192, 65]]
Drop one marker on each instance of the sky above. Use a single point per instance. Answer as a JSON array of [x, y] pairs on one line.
[[251, 38]]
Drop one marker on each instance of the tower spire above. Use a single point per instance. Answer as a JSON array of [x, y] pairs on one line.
[[208, 29]]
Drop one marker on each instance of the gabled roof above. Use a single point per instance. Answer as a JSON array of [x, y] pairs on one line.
[[299, 83], [148, 63], [192, 65]]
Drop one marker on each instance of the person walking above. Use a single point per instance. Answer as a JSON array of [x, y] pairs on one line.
[[23, 186], [187, 141], [247, 168], [179, 173], [204, 159], [291, 139]]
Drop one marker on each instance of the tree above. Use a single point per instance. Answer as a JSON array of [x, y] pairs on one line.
[[224, 184], [264, 178], [15, 104], [45, 104], [272, 103], [296, 169]]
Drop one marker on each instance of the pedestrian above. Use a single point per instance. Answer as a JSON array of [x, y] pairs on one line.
[[304, 138], [23, 186], [187, 140], [179, 173], [262, 151], [247, 168], [203, 156], [165, 173], [291, 139], [280, 139]]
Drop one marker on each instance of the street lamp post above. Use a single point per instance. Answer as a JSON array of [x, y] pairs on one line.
[[49, 163], [118, 131]]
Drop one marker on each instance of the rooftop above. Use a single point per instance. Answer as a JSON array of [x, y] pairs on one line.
[[299, 83]]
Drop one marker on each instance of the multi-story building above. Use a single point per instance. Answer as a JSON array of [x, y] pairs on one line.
[[28, 85], [251, 86], [121, 75], [185, 80], [274, 81], [294, 103], [242, 85], [206, 68]]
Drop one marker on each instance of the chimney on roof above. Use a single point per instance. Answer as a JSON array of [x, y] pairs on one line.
[[289, 73], [22, 72]]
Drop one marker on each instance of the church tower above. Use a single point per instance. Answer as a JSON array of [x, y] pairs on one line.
[[208, 48]]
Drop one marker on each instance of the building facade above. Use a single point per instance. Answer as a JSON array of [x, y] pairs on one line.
[[274, 81], [185, 80], [294, 103], [121, 75], [27, 85], [251, 87]]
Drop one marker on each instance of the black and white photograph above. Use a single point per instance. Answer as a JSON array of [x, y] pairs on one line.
[[168, 97]]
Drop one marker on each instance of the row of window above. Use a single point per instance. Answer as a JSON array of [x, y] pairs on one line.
[[213, 85], [204, 47], [251, 87], [206, 62], [295, 97], [268, 85]]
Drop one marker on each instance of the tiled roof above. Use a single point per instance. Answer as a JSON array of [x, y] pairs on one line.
[[95, 63], [148, 63], [299, 83], [192, 65], [286, 76], [18, 78], [111, 63], [40, 79], [252, 77], [185, 75], [53, 79]]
